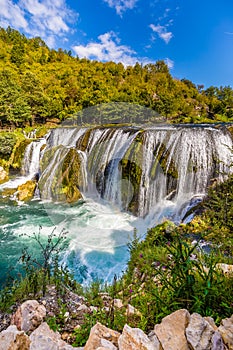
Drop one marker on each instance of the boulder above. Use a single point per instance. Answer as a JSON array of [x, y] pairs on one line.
[[226, 331], [98, 336], [3, 175], [199, 333], [135, 338], [13, 339], [171, 331], [25, 192], [29, 316], [43, 338]]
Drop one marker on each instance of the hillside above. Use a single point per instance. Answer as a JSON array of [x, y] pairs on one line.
[[38, 84]]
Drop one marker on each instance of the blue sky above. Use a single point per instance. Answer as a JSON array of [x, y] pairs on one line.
[[195, 38]]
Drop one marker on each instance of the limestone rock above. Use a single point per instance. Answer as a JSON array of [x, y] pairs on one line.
[[12, 339], [118, 303], [199, 333], [3, 175], [171, 331], [43, 338], [98, 334], [225, 268], [226, 331], [217, 342], [135, 338], [25, 192], [132, 311], [211, 322], [29, 316]]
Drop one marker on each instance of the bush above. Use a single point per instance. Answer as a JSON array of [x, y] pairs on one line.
[[7, 143]]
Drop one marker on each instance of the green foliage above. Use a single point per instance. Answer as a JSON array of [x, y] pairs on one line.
[[7, 142], [166, 272]]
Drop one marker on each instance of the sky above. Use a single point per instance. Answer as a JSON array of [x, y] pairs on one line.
[[194, 37]]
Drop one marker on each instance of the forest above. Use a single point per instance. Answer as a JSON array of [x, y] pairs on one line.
[[39, 85]]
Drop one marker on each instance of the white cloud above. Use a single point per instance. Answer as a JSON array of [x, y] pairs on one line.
[[12, 14], [121, 5], [43, 18], [162, 32], [169, 63], [109, 49]]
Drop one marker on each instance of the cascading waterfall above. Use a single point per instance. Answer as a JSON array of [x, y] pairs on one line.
[[144, 171]]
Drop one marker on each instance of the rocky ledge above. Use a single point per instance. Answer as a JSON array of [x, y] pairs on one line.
[[177, 331]]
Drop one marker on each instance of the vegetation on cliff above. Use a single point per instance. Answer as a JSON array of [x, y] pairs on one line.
[[38, 84]]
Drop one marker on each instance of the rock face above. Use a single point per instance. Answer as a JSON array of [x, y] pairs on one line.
[[12, 339], [26, 191], [29, 316], [3, 175], [99, 335], [135, 338], [171, 331]]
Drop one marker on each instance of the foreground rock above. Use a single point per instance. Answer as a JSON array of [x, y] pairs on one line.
[[43, 338], [171, 331], [13, 339], [101, 336], [29, 316], [177, 331], [201, 335], [135, 338], [226, 331]]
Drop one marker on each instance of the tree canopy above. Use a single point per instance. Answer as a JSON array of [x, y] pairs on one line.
[[38, 84]]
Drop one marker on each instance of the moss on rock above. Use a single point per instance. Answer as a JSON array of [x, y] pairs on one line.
[[3, 175], [132, 172], [25, 192], [71, 179], [18, 153]]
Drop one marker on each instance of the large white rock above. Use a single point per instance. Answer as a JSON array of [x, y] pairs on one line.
[[226, 331], [13, 339], [171, 331], [43, 338], [29, 316], [200, 334], [98, 336], [135, 338]]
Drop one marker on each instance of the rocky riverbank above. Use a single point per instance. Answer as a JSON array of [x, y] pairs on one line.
[[26, 329]]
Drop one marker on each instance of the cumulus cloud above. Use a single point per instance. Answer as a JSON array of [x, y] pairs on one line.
[[162, 32], [107, 49], [43, 18], [121, 5]]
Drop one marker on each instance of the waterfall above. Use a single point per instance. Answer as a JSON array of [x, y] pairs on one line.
[[31, 161], [154, 172], [30, 164]]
